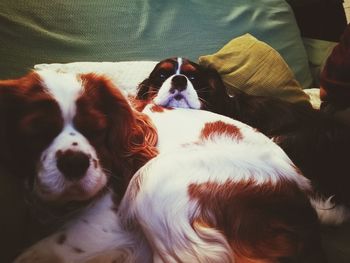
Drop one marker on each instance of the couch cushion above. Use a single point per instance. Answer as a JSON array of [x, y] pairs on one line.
[[250, 65]]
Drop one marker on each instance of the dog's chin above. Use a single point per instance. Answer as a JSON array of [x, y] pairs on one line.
[[178, 102], [75, 192]]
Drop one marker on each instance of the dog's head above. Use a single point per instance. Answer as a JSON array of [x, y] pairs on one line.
[[178, 82], [66, 134]]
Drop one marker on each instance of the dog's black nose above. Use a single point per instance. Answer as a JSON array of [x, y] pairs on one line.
[[179, 82], [72, 164]]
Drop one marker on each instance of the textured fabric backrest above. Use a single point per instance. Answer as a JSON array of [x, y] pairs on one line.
[[42, 31]]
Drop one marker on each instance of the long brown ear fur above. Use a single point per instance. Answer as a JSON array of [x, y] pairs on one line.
[[143, 141], [138, 104], [143, 89], [13, 97], [131, 138]]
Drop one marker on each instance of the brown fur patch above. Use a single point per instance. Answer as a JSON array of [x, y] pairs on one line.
[[61, 239], [262, 223], [157, 108], [167, 66], [125, 139], [30, 119], [188, 68], [220, 127], [78, 250], [95, 162]]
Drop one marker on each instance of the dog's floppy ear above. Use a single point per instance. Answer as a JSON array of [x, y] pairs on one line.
[[218, 99], [130, 137], [13, 97], [13, 93], [143, 89], [231, 104], [9, 102]]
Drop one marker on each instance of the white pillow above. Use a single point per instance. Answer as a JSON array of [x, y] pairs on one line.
[[314, 94], [126, 75]]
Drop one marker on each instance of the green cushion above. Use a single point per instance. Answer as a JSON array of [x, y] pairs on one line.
[[41, 31], [317, 51]]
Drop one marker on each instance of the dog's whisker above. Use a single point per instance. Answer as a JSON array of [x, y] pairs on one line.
[[203, 101], [203, 90], [151, 87]]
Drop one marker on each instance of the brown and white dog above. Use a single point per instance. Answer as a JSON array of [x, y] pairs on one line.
[[68, 133], [181, 83], [67, 137], [219, 191], [316, 142]]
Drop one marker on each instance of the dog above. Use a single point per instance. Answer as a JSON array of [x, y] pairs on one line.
[[181, 83], [66, 137], [218, 191], [316, 142]]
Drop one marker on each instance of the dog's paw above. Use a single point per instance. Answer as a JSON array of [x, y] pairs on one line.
[[38, 256]]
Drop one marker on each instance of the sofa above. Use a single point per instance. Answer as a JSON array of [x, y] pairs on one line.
[[53, 33]]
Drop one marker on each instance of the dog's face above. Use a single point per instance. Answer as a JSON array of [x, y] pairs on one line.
[[64, 133], [178, 82]]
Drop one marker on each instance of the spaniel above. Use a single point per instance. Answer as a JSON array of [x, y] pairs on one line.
[[218, 191], [68, 138], [317, 143]]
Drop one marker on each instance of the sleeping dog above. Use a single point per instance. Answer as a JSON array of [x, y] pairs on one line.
[[65, 137], [314, 141], [219, 191]]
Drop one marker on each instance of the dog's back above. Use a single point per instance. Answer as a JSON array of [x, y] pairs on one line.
[[220, 192]]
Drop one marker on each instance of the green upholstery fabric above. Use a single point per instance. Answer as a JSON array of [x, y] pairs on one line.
[[317, 51], [41, 31]]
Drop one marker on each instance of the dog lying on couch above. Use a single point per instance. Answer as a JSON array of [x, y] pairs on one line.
[[316, 142], [122, 252], [219, 191], [66, 138]]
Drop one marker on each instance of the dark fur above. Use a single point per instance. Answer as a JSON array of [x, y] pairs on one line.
[[317, 143]]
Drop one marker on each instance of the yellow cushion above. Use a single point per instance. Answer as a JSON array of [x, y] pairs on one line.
[[254, 67]]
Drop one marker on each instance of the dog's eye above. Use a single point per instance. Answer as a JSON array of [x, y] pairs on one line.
[[92, 124], [93, 133], [38, 126], [162, 76], [191, 77]]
